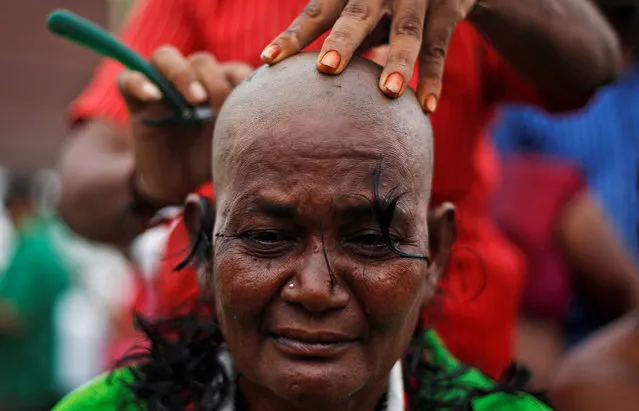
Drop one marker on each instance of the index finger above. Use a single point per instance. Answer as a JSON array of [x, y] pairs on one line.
[[440, 25], [357, 20], [405, 42], [317, 17]]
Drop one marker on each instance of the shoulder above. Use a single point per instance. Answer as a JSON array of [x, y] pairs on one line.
[[466, 385], [105, 393], [612, 384]]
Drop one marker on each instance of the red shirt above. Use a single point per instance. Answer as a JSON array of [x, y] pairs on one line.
[[484, 280]]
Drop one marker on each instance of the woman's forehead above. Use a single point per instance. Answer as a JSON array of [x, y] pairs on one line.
[[343, 187], [318, 158], [331, 173], [323, 150]]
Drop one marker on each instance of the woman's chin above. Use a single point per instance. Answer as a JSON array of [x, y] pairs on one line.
[[315, 383]]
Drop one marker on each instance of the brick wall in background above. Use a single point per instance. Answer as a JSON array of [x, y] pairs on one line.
[[118, 10], [39, 76]]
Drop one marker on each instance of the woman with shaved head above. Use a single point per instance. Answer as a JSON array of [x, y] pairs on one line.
[[316, 260], [471, 55]]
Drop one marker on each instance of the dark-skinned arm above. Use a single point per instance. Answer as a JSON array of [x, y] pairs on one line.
[[563, 47], [603, 372], [95, 168], [604, 271]]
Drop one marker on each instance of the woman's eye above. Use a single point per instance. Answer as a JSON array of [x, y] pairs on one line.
[[265, 237], [369, 244], [374, 239], [268, 243]]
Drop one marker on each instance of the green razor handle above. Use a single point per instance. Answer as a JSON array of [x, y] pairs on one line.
[[85, 33]]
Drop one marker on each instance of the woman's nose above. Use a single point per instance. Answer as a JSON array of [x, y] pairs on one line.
[[312, 287]]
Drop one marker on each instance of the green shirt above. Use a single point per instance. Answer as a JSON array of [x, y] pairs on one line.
[[35, 277], [110, 392]]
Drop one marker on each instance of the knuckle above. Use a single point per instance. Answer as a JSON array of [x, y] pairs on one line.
[[163, 52], [200, 57], [340, 40], [313, 10], [357, 10], [179, 75], [402, 60], [291, 35], [433, 52], [339, 35], [202, 62], [436, 45], [410, 25]]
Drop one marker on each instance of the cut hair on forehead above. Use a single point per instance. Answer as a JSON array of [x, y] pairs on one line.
[[273, 95]]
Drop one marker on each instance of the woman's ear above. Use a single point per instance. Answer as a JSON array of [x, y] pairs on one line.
[[198, 216], [442, 231], [193, 215]]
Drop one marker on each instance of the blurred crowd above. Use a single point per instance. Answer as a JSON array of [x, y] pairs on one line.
[[65, 303], [554, 192]]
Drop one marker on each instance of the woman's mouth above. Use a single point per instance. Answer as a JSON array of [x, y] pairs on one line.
[[304, 343]]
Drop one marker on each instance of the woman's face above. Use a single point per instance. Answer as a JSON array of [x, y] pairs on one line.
[[281, 221]]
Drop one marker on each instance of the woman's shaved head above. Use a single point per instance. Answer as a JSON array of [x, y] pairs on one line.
[[323, 252], [293, 103]]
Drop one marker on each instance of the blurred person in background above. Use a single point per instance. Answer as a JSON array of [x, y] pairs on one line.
[[545, 207], [34, 278], [598, 230], [602, 373], [500, 51]]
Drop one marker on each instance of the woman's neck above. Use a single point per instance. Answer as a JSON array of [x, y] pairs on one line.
[[259, 398]]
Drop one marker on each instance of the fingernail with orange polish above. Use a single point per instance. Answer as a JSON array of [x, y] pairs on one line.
[[431, 103], [271, 52], [331, 60], [394, 83]]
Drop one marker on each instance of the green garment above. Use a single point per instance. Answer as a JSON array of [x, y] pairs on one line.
[[35, 277], [109, 392]]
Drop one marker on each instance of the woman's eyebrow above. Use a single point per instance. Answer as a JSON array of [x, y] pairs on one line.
[[273, 208], [366, 209]]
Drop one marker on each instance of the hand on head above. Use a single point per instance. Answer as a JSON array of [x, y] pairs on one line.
[[417, 31]]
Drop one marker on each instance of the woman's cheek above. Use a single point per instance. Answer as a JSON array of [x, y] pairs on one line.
[[390, 293], [242, 284]]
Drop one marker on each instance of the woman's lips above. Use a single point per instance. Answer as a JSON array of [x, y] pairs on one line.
[[305, 343]]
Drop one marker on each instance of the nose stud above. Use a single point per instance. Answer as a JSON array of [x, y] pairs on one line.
[[291, 285]]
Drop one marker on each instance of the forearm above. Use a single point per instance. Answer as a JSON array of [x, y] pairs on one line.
[[564, 47], [95, 168], [606, 273]]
